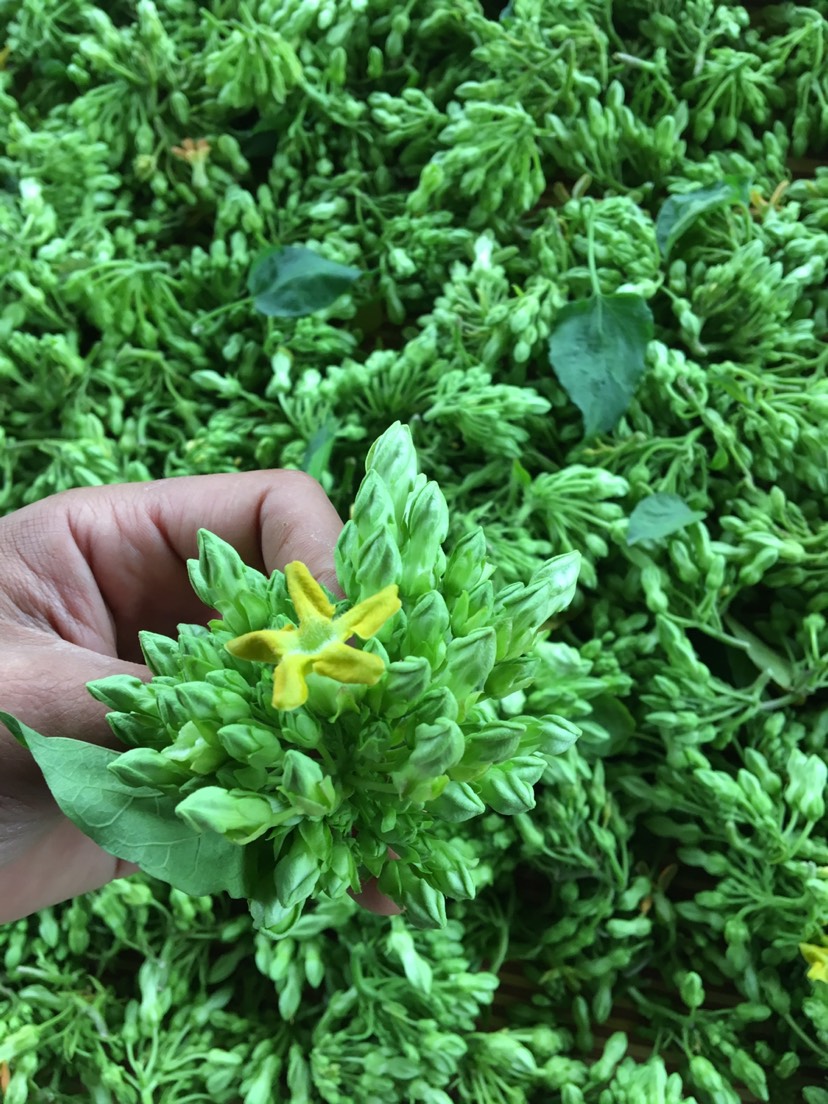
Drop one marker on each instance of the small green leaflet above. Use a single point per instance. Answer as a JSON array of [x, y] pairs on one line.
[[318, 451], [135, 824], [777, 667], [597, 350], [658, 516], [679, 212], [294, 281]]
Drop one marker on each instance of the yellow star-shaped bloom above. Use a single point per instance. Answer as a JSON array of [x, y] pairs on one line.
[[318, 642], [817, 957]]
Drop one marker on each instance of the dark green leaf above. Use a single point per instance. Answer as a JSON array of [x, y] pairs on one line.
[[318, 452], [765, 658], [658, 516], [608, 727], [294, 282], [679, 212], [597, 350], [132, 823]]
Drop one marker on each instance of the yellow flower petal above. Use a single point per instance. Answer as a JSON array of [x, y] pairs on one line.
[[289, 687], [264, 646], [346, 664], [313, 644], [817, 957], [368, 616], [307, 595]]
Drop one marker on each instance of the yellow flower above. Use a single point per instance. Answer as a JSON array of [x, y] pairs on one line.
[[196, 155], [818, 959], [318, 642]]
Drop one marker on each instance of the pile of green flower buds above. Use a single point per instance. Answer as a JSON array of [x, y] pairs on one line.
[[579, 249]]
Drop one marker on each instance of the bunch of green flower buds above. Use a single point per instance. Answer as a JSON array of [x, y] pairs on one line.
[[327, 759]]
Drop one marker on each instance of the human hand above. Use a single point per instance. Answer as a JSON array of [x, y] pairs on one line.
[[83, 572]]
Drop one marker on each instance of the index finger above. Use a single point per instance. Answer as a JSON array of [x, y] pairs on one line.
[[130, 543]]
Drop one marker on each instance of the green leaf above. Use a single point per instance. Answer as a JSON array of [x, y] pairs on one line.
[[658, 516], [767, 660], [597, 350], [294, 282], [679, 212], [132, 823], [318, 452], [608, 726]]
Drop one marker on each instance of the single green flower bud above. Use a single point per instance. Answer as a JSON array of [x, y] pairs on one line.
[[420, 793], [457, 802], [373, 507], [548, 735], [449, 869], [318, 839], [472, 609], [437, 705], [199, 655], [425, 906], [137, 730], [251, 743], [750, 1074], [507, 788], [233, 776], [126, 694], [196, 746], [226, 678], [570, 1092], [378, 564], [756, 762], [161, 654], [550, 590], [305, 787], [492, 743], [393, 457], [466, 567], [341, 872], [269, 916], [236, 814], [224, 582], [199, 701], [691, 990], [346, 554], [706, 1077], [806, 790], [510, 675], [143, 766], [502, 625], [427, 629], [426, 523], [405, 682], [300, 728], [532, 835], [469, 662], [296, 874], [437, 747]]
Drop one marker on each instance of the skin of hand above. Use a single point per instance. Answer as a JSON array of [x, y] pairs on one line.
[[83, 572]]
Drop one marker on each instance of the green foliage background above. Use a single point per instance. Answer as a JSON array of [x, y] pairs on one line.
[[483, 169]]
